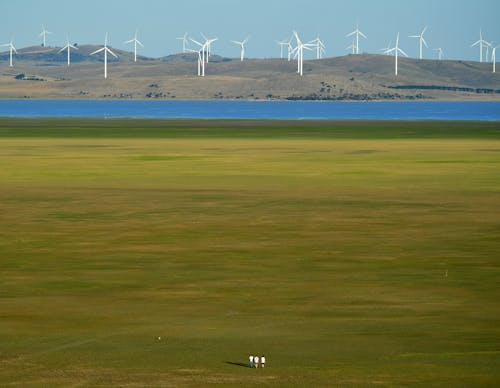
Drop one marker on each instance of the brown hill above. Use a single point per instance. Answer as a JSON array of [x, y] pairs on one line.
[[352, 77]]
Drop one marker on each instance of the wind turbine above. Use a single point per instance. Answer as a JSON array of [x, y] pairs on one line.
[[200, 61], [185, 42], [421, 41], [440, 53], [282, 45], [386, 49], [352, 47], [208, 43], [106, 51], [11, 47], [357, 33], [242, 44], [494, 58], [68, 47], [203, 54], [44, 34], [299, 53], [289, 47], [481, 42], [396, 50], [135, 41], [320, 47], [489, 45]]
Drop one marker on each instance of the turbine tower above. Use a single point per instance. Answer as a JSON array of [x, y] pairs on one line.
[[44, 34], [396, 50], [185, 42], [135, 41], [439, 53], [357, 33], [106, 50], [481, 42], [421, 41], [242, 44], [68, 47], [11, 47]]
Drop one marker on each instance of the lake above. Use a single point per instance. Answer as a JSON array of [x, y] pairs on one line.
[[296, 110]]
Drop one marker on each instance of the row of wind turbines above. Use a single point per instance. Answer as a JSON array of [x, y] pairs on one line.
[[204, 48]]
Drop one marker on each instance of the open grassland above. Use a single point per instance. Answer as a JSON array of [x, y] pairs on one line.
[[350, 254]]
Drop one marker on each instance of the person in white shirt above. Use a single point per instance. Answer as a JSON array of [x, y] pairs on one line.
[[251, 361], [256, 361], [263, 361]]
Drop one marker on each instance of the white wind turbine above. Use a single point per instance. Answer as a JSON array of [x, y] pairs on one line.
[[320, 47], [352, 47], [282, 45], [208, 43], [202, 54], [396, 50], [386, 49], [481, 42], [11, 47], [106, 50], [489, 45], [299, 53], [357, 33], [439, 53], [288, 45], [242, 44], [493, 58], [135, 41], [185, 42], [200, 61], [68, 47], [290, 49], [44, 34], [421, 41]]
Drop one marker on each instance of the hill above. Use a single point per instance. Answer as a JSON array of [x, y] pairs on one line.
[[40, 72]]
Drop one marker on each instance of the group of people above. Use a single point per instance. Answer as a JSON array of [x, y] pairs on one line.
[[254, 361]]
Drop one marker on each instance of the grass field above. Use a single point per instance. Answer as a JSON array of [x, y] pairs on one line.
[[350, 254]]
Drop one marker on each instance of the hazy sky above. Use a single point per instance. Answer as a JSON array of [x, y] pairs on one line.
[[453, 24]]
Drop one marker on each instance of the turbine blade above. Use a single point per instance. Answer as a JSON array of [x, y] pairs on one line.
[[196, 42], [140, 43], [402, 52], [111, 52], [97, 51]]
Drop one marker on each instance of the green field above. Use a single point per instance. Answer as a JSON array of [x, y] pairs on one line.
[[350, 254]]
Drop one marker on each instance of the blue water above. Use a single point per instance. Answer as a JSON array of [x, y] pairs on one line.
[[486, 111]]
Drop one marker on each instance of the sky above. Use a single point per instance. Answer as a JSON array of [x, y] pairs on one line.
[[453, 24]]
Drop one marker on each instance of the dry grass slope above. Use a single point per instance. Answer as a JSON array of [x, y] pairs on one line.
[[363, 77]]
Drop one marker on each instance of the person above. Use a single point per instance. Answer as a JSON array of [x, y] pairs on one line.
[[251, 361], [263, 361], [256, 361]]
